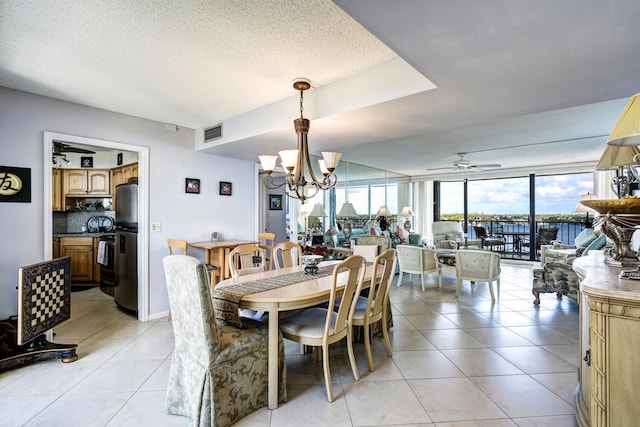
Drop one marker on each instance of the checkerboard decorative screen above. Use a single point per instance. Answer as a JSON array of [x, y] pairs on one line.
[[44, 297]]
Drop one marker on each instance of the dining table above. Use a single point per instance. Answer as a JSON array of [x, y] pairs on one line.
[[217, 253], [307, 291], [517, 238]]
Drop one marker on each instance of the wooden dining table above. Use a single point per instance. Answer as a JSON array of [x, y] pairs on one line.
[[312, 291], [217, 253]]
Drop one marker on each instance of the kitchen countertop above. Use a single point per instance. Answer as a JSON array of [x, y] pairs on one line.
[[111, 233]]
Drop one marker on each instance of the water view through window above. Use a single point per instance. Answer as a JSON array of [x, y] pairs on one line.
[[505, 204]]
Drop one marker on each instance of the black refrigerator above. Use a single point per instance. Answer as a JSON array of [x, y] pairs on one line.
[[126, 254]]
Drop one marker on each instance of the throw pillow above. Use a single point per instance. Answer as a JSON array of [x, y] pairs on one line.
[[373, 231], [585, 237], [598, 243], [404, 234], [331, 231]]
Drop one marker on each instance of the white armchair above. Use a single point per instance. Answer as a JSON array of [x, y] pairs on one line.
[[450, 235], [417, 260], [478, 266]]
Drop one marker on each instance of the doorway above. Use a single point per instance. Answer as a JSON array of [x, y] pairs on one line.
[[143, 203]]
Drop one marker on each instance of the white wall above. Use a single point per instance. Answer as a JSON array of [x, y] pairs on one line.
[[172, 158]]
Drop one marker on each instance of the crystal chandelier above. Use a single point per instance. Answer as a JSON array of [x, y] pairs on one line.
[[296, 162]]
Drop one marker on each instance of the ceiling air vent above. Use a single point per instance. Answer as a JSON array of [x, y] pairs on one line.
[[213, 133]]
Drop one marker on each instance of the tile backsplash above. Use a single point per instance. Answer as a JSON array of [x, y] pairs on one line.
[[72, 221]]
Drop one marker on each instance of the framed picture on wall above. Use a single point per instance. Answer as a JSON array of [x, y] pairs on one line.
[[275, 202], [225, 188], [192, 185]]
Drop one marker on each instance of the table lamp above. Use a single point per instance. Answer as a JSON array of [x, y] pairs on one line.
[[317, 212], [582, 208], [617, 157], [347, 211], [407, 213], [382, 215]]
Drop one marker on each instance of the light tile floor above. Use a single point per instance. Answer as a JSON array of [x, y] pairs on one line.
[[456, 362]]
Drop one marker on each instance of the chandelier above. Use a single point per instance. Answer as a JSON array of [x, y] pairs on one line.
[[296, 162]]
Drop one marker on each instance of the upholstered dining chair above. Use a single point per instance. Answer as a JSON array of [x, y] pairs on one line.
[[179, 247], [418, 260], [247, 259], [478, 266], [267, 242], [287, 254], [373, 307], [368, 252], [321, 327], [218, 372]]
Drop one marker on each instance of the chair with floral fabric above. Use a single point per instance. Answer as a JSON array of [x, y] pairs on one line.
[[218, 372]]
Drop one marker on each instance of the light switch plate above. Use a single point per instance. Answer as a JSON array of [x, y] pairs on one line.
[[156, 226]]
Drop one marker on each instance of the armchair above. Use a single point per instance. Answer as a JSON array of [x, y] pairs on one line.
[[421, 261], [556, 274], [447, 234], [450, 235]]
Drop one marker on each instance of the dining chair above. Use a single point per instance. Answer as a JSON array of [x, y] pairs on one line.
[[287, 254], [218, 372], [179, 247], [321, 327], [487, 240], [373, 307], [478, 266], [267, 241], [544, 236], [418, 260], [368, 252], [247, 259]]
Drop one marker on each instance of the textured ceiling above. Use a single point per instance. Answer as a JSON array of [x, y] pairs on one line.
[[191, 63], [524, 84]]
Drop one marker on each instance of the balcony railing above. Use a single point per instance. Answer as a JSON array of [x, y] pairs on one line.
[[518, 237]]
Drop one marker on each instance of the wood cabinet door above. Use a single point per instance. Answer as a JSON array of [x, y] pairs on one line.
[[99, 183], [75, 182], [56, 247], [57, 200], [80, 250]]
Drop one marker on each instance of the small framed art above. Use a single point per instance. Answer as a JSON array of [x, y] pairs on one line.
[[275, 202], [86, 162], [225, 188], [192, 185]]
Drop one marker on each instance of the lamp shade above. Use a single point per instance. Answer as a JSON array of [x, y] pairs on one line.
[[383, 211], [347, 210], [318, 210], [582, 208], [626, 131], [406, 211], [614, 156]]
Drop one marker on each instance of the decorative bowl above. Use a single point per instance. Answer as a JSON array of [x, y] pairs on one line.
[[615, 206], [311, 260]]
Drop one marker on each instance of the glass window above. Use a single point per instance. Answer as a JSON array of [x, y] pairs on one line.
[[451, 201]]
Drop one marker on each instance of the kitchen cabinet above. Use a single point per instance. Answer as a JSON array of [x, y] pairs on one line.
[[56, 248], [96, 266], [82, 182], [121, 175], [57, 198], [610, 341], [82, 254]]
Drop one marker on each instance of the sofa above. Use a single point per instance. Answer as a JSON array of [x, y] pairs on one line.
[[556, 274]]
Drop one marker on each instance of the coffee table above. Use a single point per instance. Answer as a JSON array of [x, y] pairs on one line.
[[446, 256]]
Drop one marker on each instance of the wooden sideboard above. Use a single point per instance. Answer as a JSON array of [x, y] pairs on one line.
[[609, 376]]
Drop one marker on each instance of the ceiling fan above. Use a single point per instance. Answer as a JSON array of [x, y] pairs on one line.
[[465, 165], [61, 149]]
